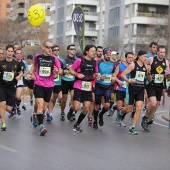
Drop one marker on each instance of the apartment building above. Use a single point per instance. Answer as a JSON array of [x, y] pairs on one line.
[[61, 26], [4, 9]]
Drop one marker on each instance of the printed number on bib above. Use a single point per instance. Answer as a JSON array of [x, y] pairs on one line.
[[45, 71], [140, 76], [57, 79], [159, 78], [8, 76], [108, 78], [124, 84], [69, 76], [86, 86]]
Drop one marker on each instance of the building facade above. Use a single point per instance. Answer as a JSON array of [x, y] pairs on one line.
[[4, 9], [61, 26]]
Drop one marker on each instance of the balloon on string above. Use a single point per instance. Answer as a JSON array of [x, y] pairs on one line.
[[36, 15]]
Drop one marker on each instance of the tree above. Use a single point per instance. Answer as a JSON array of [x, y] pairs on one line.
[[16, 32]]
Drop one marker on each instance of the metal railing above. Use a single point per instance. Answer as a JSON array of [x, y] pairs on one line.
[[152, 15]]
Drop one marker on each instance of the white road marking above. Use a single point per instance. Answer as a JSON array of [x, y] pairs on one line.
[[160, 124], [7, 148]]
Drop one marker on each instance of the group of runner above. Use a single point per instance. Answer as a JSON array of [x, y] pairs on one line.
[[96, 79]]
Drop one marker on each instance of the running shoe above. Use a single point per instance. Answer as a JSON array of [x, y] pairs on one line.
[[133, 131], [74, 116], [31, 102], [95, 126], [101, 122], [169, 125], [3, 127], [144, 124], [77, 128], [151, 120], [90, 119], [24, 107], [42, 130], [11, 114], [119, 115], [123, 124], [110, 112], [18, 111], [34, 121], [49, 117], [70, 116], [62, 118]]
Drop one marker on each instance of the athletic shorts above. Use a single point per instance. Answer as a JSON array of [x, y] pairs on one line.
[[82, 96], [120, 95], [57, 89], [29, 83], [154, 91], [133, 97], [43, 92], [101, 90], [7, 94], [67, 86]]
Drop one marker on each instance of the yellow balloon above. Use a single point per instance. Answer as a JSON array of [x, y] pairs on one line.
[[36, 15]]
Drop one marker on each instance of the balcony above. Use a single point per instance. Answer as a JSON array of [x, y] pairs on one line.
[[147, 18], [156, 2], [51, 22], [83, 2]]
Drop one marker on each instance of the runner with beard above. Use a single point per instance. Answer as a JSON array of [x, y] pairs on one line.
[[103, 87]]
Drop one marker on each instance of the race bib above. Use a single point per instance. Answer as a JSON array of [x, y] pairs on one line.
[[70, 76], [8, 76], [140, 76], [86, 86], [57, 79], [124, 84], [20, 82], [159, 78], [108, 78], [45, 71]]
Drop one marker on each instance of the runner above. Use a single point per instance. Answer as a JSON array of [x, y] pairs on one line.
[[67, 81], [154, 89], [1, 54], [57, 85], [45, 67], [103, 87], [137, 71], [10, 73], [86, 67], [120, 85], [29, 83], [20, 83]]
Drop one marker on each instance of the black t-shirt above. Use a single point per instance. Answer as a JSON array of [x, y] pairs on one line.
[[8, 72]]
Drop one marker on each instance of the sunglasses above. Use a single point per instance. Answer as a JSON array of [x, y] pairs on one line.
[[29, 58], [72, 49], [56, 50], [49, 47]]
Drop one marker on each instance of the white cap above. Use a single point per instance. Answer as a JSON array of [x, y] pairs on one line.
[[114, 52]]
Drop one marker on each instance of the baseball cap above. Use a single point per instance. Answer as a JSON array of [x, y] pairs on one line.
[[106, 51], [114, 52]]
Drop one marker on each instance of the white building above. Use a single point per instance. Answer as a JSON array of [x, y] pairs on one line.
[[61, 26]]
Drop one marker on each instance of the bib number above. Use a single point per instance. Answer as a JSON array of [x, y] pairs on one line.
[[140, 76], [8, 76], [108, 78], [44, 71], [69, 76], [86, 86], [57, 79], [124, 84], [159, 78]]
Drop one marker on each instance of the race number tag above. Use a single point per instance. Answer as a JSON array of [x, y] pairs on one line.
[[45, 71], [57, 79], [69, 76], [86, 86], [124, 84], [140, 76], [20, 82], [8, 76], [159, 78], [108, 78]]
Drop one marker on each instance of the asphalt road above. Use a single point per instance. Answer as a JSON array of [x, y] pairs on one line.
[[108, 148]]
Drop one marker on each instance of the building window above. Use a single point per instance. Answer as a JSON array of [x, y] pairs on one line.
[[7, 14], [8, 5]]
